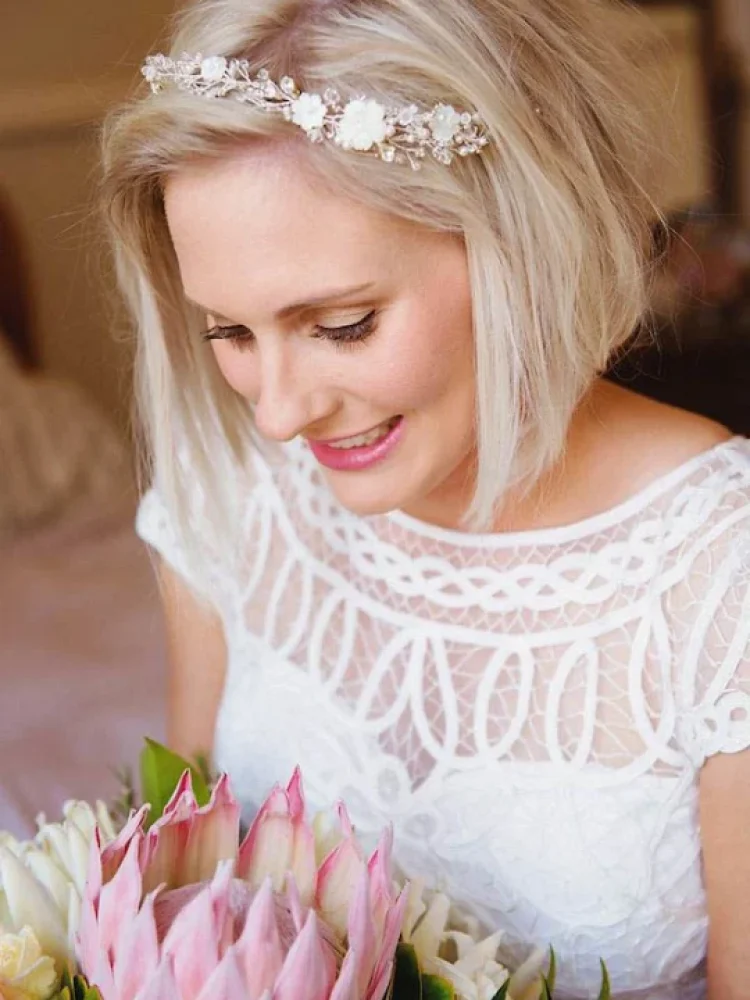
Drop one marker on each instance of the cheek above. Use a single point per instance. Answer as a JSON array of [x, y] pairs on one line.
[[237, 369], [427, 356]]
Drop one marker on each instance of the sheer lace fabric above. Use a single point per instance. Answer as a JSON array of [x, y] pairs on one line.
[[529, 711]]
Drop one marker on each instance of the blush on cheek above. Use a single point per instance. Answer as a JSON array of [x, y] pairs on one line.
[[429, 356]]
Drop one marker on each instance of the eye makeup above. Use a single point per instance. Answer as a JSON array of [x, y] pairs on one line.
[[352, 333]]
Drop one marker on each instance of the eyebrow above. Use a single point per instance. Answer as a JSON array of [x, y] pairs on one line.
[[305, 305]]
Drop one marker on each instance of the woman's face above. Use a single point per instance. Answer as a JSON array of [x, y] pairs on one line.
[[348, 327]]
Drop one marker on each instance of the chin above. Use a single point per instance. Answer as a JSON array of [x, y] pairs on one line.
[[362, 496]]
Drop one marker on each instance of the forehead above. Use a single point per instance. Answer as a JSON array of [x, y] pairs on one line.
[[267, 217]]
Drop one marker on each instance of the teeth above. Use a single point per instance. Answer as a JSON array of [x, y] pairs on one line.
[[361, 440]]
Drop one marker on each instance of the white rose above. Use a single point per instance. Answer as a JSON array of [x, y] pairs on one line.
[[213, 69], [25, 972], [445, 123], [42, 880], [362, 125], [309, 112]]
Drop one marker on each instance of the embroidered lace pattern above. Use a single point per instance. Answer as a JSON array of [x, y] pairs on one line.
[[530, 711]]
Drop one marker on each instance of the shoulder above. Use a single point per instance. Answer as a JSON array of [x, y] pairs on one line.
[[638, 441]]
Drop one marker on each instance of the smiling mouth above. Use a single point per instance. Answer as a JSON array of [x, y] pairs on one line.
[[364, 439]]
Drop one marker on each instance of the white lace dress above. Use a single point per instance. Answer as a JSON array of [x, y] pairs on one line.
[[529, 711]]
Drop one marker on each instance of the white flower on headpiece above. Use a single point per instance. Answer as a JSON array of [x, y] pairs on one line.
[[445, 122], [213, 69], [362, 125], [309, 112], [149, 71]]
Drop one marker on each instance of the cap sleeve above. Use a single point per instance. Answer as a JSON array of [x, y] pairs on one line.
[[712, 626], [155, 527]]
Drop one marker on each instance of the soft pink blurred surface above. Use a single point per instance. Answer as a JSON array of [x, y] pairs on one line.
[[82, 662]]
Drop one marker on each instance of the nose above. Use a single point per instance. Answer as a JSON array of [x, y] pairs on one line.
[[290, 397]]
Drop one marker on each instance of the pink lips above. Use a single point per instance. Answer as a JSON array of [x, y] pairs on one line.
[[355, 459]]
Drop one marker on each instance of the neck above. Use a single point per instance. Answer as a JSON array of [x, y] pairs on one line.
[[553, 501]]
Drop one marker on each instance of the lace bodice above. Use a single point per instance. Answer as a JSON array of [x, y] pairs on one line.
[[530, 711]]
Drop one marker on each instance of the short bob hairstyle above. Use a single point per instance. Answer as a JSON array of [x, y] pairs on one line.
[[556, 213]]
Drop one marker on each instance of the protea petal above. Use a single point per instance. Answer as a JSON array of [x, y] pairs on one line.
[[222, 899], [296, 797], [192, 944], [347, 827], [309, 970], [346, 987], [303, 866], [284, 951], [183, 793], [167, 840], [381, 889], [327, 835], [87, 945], [268, 848], [378, 987], [101, 977], [120, 899], [110, 858], [226, 981], [273, 852], [361, 931], [213, 836], [339, 872], [297, 910], [394, 922], [259, 949], [30, 905], [137, 958], [162, 985]]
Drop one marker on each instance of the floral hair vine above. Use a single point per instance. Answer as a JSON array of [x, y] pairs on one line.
[[402, 134]]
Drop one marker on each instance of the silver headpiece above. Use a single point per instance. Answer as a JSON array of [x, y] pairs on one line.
[[402, 134]]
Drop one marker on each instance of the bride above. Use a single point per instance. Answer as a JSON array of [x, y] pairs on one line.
[[379, 254]]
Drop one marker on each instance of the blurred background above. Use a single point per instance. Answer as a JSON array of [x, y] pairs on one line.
[[80, 635], [61, 66]]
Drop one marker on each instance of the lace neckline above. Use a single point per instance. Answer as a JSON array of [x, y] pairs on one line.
[[565, 532]]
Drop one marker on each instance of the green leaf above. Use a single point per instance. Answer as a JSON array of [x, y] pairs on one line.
[[407, 978], [436, 988], [161, 771], [605, 992], [552, 974], [546, 993]]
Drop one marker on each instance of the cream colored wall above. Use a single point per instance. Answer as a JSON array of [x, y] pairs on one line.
[[735, 16], [61, 65]]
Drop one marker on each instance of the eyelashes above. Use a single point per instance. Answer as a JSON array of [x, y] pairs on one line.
[[342, 336]]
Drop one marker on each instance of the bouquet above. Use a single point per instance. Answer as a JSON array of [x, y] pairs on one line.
[[172, 903]]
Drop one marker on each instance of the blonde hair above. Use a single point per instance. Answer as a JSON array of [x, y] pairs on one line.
[[556, 214]]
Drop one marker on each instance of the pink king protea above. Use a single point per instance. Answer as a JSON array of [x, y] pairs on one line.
[[183, 912]]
